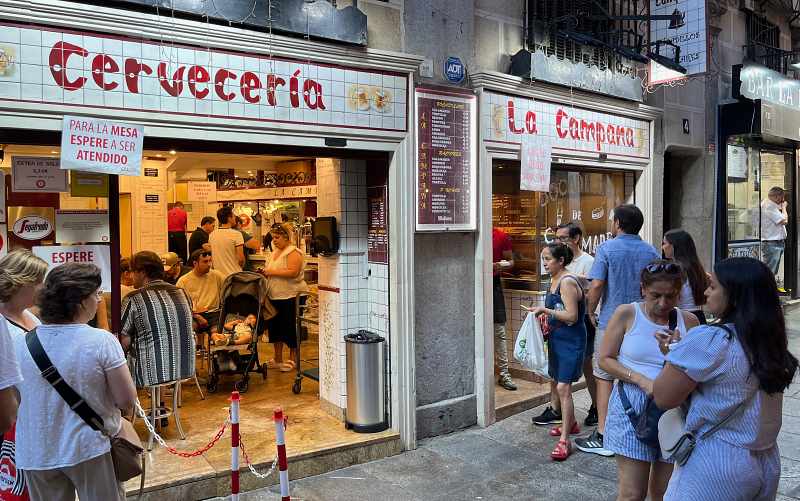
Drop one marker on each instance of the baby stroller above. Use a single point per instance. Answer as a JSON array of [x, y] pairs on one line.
[[242, 294]]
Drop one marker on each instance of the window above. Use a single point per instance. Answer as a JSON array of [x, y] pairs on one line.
[[531, 218]]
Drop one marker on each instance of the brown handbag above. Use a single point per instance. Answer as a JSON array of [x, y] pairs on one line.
[[126, 447]]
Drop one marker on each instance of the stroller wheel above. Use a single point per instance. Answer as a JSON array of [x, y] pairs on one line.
[[296, 386], [264, 371], [243, 385]]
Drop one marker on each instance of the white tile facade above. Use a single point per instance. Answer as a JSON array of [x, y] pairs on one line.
[[362, 300]]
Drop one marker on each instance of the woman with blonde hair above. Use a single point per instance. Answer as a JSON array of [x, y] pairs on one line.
[[21, 277], [284, 273]]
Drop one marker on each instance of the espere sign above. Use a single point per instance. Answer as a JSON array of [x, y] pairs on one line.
[[95, 145]]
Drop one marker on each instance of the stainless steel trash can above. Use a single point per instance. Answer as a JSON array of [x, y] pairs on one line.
[[366, 382]]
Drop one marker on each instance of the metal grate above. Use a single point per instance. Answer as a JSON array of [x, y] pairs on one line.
[[550, 20], [763, 43]]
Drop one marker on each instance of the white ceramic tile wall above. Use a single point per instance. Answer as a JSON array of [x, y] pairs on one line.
[[363, 298]]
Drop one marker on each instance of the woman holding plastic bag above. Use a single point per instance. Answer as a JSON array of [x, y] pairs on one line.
[[564, 307]]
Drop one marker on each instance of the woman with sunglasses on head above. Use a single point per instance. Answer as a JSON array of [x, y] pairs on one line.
[[565, 307], [631, 354], [284, 271], [735, 372], [59, 452], [678, 245]]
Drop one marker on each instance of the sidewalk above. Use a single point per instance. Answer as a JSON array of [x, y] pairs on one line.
[[510, 461]]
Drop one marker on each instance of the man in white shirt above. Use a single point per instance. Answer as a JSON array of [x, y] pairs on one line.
[[774, 219], [10, 376], [227, 244], [203, 285]]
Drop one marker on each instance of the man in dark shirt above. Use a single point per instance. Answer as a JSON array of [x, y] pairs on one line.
[[199, 238]]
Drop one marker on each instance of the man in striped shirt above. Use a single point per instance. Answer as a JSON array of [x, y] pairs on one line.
[[157, 325]]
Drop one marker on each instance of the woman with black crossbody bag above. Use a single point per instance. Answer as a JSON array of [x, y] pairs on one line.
[[73, 375]]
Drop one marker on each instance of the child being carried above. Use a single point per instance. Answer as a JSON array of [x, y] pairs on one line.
[[237, 331]]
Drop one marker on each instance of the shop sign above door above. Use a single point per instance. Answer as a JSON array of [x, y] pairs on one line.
[[61, 67], [96, 145], [754, 81], [509, 119]]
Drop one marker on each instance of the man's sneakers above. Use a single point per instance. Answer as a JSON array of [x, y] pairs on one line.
[[506, 382], [593, 444], [591, 417], [549, 416]]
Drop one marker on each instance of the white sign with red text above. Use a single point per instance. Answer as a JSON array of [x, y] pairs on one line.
[[536, 154], [98, 255], [80, 226], [202, 191], [130, 75], [37, 175], [510, 119], [96, 145]]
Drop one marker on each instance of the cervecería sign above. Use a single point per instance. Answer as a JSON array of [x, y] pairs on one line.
[[64, 67]]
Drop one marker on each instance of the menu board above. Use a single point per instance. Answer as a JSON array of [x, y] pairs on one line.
[[446, 158], [377, 230]]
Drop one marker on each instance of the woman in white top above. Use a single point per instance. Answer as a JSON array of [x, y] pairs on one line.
[[21, 277], [58, 451], [678, 246], [284, 273], [631, 354]]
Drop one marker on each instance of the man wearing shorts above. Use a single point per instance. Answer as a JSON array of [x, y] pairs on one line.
[[615, 276]]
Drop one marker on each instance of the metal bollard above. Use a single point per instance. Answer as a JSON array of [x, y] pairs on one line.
[[280, 440], [235, 446]]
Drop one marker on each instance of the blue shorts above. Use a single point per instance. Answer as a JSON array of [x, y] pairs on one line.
[[620, 436]]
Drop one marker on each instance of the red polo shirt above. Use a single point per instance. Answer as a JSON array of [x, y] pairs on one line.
[[500, 243], [176, 220]]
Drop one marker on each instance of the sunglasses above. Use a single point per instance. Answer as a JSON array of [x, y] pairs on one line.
[[663, 268], [205, 254]]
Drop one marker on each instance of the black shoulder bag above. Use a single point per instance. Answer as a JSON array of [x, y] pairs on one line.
[[645, 424], [126, 448]]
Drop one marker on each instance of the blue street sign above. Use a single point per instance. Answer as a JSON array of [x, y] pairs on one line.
[[454, 70]]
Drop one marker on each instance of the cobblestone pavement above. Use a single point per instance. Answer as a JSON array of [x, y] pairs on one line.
[[509, 460]]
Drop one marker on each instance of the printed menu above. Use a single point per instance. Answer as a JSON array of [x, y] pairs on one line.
[[446, 157], [377, 230]]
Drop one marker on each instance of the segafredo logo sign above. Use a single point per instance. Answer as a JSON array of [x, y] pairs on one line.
[[32, 227]]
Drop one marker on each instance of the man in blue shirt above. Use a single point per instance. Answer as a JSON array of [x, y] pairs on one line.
[[616, 279]]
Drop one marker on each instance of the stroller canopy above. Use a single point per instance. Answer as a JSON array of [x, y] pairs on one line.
[[245, 282]]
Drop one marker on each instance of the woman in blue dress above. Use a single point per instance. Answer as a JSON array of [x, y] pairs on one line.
[[565, 307], [735, 378]]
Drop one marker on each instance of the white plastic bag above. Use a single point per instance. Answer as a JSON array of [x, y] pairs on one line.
[[529, 349]]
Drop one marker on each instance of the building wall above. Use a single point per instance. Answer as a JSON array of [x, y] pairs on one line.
[[693, 161]]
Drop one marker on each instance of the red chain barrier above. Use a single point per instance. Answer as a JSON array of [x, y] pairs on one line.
[[202, 450]]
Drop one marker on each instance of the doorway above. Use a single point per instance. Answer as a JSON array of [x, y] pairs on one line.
[[759, 179]]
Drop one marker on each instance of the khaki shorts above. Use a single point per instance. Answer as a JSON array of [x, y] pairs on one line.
[[94, 480], [596, 370]]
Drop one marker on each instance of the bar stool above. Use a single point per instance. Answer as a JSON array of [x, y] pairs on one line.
[[158, 412]]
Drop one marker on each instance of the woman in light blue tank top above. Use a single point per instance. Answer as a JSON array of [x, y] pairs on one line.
[[733, 379], [630, 353]]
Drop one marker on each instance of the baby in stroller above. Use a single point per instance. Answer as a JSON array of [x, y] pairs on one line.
[[237, 331]]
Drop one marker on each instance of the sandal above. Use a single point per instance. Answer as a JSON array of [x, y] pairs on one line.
[[287, 366], [562, 451], [556, 432]]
